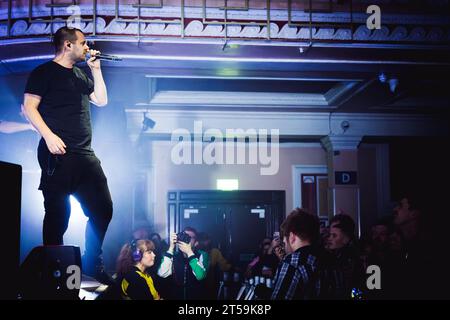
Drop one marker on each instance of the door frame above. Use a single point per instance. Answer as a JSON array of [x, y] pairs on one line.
[[277, 199], [297, 171]]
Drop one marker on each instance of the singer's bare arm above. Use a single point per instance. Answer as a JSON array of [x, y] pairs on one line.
[[99, 97], [30, 108]]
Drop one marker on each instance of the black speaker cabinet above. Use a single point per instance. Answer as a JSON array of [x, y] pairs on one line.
[[48, 273], [10, 195]]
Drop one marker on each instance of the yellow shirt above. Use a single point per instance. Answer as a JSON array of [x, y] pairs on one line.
[[133, 278]]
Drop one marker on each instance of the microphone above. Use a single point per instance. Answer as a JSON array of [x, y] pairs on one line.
[[102, 56]]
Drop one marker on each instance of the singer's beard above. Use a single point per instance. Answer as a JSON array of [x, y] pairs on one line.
[[78, 58], [82, 58]]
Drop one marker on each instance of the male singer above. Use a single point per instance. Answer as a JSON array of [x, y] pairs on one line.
[[56, 102]]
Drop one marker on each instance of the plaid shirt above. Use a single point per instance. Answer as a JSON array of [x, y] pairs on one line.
[[297, 276]]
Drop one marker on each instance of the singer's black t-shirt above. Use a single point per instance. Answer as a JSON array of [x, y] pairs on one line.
[[65, 105]]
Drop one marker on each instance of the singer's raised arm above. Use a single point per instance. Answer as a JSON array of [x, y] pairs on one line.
[[100, 96]]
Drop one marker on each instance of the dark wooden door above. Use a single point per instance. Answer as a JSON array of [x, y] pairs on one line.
[[314, 189]]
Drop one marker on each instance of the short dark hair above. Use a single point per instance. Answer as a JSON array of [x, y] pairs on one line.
[[155, 234], [203, 236], [204, 241], [383, 221], [345, 223], [63, 34], [191, 230], [416, 202], [301, 223]]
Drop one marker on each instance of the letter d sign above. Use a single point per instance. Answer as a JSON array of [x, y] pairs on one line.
[[345, 178]]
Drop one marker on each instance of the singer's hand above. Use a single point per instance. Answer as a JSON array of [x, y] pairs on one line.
[[54, 144], [93, 63]]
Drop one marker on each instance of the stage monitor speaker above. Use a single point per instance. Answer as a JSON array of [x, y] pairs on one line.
[[10, 201], [45, 273]]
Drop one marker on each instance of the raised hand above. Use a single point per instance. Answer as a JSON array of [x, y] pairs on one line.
[[185, 248], [172, 241], [93, 63]]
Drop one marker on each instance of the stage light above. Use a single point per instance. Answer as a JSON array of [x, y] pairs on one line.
[[393, 83], [345, 125], [77, 225], [382, 77], [227, 184], [147, 123]]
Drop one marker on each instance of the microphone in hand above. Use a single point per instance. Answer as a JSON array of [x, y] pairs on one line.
[[102, 56]]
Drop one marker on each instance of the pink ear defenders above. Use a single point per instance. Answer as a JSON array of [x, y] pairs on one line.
[[136, 253]]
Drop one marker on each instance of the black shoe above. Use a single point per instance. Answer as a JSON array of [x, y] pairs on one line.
[[104, 278], [94, 268]]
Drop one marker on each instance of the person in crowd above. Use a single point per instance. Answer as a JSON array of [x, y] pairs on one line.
[[278, 249], [188, 267], [132, 264], [346, 261], [379, 238], [407, 216], [324, 234], [157, 240], [141, 231], [394, 282], [161, 246], [380, 235], [396, 242], [266, 261], [217, 264], [366, 251], [421, 248], [298, 275]]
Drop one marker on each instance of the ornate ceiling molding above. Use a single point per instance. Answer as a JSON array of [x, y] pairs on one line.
[[197, 29], [288, 123], [401, 28], [108, 10]]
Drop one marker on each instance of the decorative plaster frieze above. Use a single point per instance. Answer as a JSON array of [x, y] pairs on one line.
[[197, 29], [427, 28], [40, 10]]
